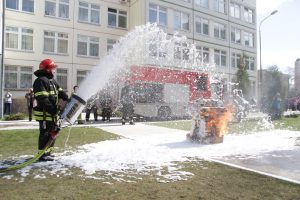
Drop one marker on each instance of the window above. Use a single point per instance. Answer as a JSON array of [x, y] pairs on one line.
[[147, 92], [57, 8], [55, 42], [81, 74], [249, 15], [157, 48], [249, 39], [249, 63], [110, 44], [62, 78], [19, 38], [181, 21], [17, 77], [88, 46], [21, 5], [202, 3], [158, 14], [89, 13], [235, 10], [181, 51], [235, 35], [201, 25], [202, 83], [235, 60], [117, 18], [220, 58], [202, 54], [219, 31], [219, 6]]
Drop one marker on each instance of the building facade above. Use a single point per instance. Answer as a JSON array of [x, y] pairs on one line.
[[297, 76], [76, 34]]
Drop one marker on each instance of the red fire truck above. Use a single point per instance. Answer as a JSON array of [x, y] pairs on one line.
[[167, 92]]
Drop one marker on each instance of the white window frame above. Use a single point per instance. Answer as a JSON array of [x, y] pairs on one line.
[[110, 44], [220, 58], [248, 39], [249, 63], [235, 35], [219, 6], [81, 74], [181, 51], [159, 10], [181, 16], [19, 72], [235, 10], [58, 3], [58, 36], [202, 54], [63, 74], [20, 35], [90, 8], [235, 60], [202, 22], [19, 4], [249, 15], [117, 14], [202, 3], [219, 31], [89, 40]]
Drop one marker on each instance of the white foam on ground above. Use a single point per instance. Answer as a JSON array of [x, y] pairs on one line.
[[152, 149]]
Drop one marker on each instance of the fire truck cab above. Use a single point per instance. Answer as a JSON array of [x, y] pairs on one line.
[[164, 92]]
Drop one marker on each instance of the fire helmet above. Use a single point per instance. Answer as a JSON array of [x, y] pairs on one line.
[[47, 65]]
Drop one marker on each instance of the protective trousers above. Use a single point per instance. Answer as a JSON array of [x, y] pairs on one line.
[[45, 129]]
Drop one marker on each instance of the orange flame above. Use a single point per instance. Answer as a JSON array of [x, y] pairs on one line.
[[217, 119]]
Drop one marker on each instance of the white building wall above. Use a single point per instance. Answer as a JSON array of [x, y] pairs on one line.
[[137, 14]]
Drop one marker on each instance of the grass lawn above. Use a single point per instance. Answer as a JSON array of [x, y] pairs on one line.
[[239, 128], [210, 180]]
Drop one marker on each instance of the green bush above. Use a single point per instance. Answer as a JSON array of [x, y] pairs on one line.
[[17, 116]]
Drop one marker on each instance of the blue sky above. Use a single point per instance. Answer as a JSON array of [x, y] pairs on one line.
[[280, 32]]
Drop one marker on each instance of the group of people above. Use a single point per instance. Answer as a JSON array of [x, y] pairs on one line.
[[102, 101], [8, 102]]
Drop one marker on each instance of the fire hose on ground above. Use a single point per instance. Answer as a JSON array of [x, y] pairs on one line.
[[69, 115]]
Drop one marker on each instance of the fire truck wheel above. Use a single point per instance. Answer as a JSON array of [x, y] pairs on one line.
[[164, 113]]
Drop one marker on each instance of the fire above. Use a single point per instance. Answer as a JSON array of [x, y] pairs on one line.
[[217, 119], [223, 121]]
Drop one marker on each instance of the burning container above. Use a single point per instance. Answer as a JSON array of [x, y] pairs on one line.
[[209, 125]]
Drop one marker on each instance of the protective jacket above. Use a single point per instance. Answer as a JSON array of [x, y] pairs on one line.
[[47, 92]]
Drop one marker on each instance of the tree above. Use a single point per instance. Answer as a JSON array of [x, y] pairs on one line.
[[276, 83], [242, 76]]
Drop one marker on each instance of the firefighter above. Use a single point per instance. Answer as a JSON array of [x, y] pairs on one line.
[[127, 101], [106, 105], [47, 93], [91, 107]]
